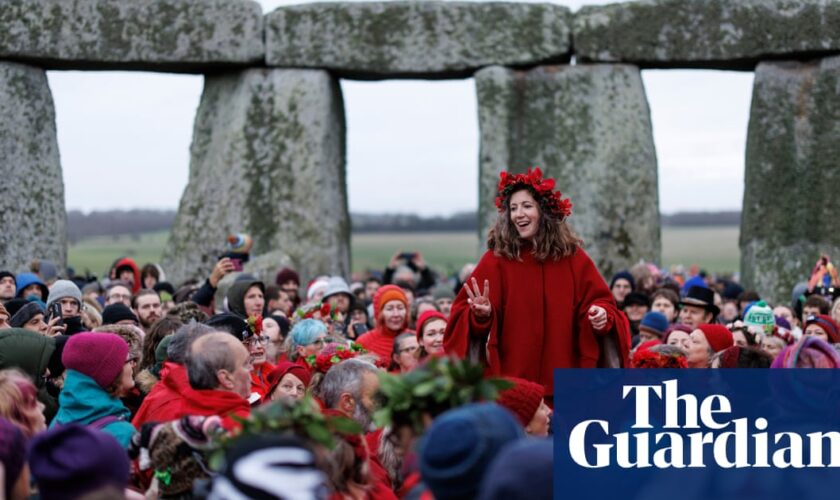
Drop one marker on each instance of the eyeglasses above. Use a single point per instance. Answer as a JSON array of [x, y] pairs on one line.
[[262, 339], [408, 349]]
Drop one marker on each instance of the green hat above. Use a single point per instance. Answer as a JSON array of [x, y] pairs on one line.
[[760, 315]]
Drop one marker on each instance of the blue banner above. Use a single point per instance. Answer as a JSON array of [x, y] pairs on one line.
[[650, 434]]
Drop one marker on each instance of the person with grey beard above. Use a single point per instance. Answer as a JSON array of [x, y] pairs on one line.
[[349, 387]]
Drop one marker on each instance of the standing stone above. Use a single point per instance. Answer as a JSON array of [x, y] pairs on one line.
[[268, 157], [589, 127], [425, 39], [32, 216], [157, 35], [722, 34], [791, 207]]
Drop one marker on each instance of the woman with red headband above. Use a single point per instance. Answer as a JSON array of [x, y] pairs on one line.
[[536, 301]]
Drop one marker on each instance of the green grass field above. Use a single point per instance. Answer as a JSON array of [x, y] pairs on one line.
[[712, 248]]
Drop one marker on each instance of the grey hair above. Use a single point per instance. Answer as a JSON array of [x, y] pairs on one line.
[[204, 364], [668, 350], [345, 377], [183, 338]]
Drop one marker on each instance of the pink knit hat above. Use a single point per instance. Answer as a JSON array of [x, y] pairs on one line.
[[100, 356]]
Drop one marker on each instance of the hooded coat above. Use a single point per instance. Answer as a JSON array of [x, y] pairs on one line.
[[539, 318], [236, 296], [127, 262], [25, 279], [31, 353], [83, 401]]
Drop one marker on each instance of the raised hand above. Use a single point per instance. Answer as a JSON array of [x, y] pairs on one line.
[[479, 300], [598, 317], [223, 267]]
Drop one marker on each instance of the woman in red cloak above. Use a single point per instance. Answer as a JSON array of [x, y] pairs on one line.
[[543, 304]]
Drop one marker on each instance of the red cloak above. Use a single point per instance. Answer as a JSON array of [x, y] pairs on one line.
[[539, 318]]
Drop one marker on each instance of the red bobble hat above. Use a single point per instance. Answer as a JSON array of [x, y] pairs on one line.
[[718, 336], [425, 318], [100, 356], [523, 399]]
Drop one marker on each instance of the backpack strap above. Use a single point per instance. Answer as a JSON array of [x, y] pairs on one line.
[[100, 423]]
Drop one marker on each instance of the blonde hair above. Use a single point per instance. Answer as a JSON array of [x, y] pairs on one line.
[[555, 239]]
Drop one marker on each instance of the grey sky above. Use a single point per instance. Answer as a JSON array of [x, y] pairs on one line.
[[412, 145]]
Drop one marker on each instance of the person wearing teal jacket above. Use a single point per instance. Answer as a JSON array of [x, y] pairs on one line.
[[99, 371]]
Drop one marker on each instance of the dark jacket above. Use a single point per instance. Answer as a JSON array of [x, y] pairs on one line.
[[30, 352]]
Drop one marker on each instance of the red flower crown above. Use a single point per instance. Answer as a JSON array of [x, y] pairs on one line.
[[551, 200], [326, 360]]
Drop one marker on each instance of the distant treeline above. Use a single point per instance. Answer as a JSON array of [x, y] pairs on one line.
[[126, 222]]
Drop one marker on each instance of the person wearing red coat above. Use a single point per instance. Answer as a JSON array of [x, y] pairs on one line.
[[173, 398], [542, 303], [390, 310]]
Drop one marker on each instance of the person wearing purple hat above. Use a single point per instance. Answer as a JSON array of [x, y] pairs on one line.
[[12, 459], [74, 461], [99, 371], [809, 352]]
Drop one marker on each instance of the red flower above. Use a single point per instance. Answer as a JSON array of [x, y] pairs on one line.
[[325, 310], [544, 188]]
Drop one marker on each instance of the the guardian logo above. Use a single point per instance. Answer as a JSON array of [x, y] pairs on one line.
[[732, 442]]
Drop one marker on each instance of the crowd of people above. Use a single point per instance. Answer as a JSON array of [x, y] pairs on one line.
[[399, 384]]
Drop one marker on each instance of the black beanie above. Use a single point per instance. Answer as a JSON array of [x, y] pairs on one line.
[[117, 312]]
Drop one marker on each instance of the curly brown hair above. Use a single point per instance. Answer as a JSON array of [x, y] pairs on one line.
[[555, 239]]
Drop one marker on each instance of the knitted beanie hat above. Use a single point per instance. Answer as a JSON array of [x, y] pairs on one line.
[[654, 322], [825, 322], [523, 470], [718, 336], [100, 356], [63, 289], [114, 313], [12, 453], [623, 275], [287, 469], [64, 466], [460, 445], [523, 399], [24, 314], [285, 275], [425, 318], [386, 294], [760, 315]]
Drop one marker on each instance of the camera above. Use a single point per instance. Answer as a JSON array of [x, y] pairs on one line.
[[408, 256]]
